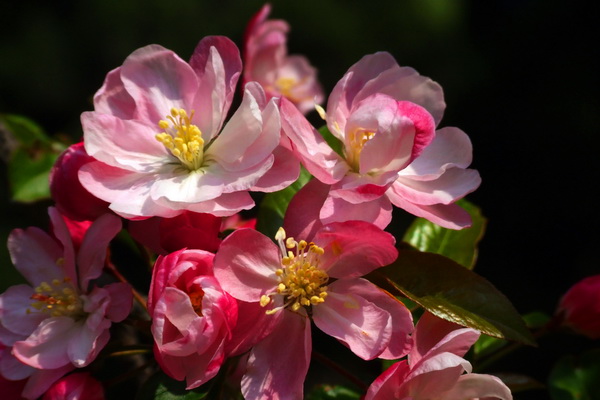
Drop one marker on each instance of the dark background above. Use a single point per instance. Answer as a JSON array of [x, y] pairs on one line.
[[520, 77]]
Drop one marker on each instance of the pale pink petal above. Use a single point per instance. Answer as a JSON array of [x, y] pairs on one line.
[[452, 185], [306, 90], [158, 80], [217, 63], [284, 172], [378, 211], [435, 375], [127, 192], [435, 335], [302, 215], [401, 318], [356, 188], [84, 344], [92, 253], [60, 230], [35, 254], [42, 379], [471, 386], [449, 216], [14, 303], [121, 301], [278, 365], [127, 144], [354, 248], [354, 321], [46, 347], [245, 265], [308, 145], [226, 205], [249, 137], [112, 98]]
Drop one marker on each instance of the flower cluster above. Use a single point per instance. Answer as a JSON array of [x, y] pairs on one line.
[[164, 153]]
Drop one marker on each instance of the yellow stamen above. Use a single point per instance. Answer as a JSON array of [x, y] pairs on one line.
[[354, 146], [182, 138], [58, 299]]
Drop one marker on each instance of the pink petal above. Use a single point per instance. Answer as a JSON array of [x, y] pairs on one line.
[[46, 347], [14, 303], [308, 145], [92, 253], [471, 386], [85, 344], [435, 375], [284, 172], [252, 326], [245, 265], [41, 380], [278, 365], [121, 301], [388, 384], [11, 368], [354, 248], [61, 232], [34, 254], [158, 80], [302, 215], [353, 320], [217, 63], [112, 98], [377, 212], [224, 206]]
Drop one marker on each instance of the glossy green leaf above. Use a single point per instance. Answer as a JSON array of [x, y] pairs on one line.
[[332, 141], [454, 293], [460, 246], [273, 206], [328, 392], [161, 387], [576, 378]]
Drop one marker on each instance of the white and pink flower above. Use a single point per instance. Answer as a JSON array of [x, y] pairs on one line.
[[320, 278], [435, 369], [281, 75], [61, 320], [160, 139], [385, 116]]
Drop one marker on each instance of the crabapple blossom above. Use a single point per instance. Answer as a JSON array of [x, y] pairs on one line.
[[579, 308], [60, 320], [435, 366], [76, 386], [293, 280], [160, 139], [385, 117], [266, 61]]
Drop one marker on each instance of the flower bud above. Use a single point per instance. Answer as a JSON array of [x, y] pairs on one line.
[[77, 386], [580, 307]]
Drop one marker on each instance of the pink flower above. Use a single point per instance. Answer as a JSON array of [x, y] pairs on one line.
[[266, 61], [61, 321], [434, 369], [76, 386], [385, 116], [580, 307], [192, 318], [292, 280], [72, 200], [160, 141]]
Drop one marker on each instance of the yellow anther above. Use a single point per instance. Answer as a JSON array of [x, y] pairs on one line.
[[182, 138], [264, 300]]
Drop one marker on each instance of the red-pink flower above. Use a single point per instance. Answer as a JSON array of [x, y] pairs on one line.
[[580, 307], [160, 139], [385, 117], [266, 61], [435, 368], [61, 321], [292, 277], [192, 318], [76, 386]]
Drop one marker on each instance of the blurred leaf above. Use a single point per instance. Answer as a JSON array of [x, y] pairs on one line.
[[332, 141], [486, 345], [273, 206], [161, 387], [576, 378], [519, 382], [327, 392], [31, 155], [454, 293], [536, 320], [461, 246]]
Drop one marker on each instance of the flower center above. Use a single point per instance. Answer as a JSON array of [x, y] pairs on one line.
[[285, 86], [57, 299], [301, 282], [196, 298], [356, 141], [182, 138]]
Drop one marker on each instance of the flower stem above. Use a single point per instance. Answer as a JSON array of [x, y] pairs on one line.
[[137, 295]]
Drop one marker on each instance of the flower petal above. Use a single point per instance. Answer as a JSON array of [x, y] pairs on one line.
[[112, 98], [471, 386], [46, 347], [377, 212], [14, 305]]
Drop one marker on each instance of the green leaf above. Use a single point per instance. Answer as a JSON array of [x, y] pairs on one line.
[[161, 387], [454, 293], [273, 206], [461, 246], [487, 345], [328, 392], [23, 130], [332, 141], [576, 378]]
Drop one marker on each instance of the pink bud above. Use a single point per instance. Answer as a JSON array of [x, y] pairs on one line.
[[77, 386], [581, 307], [71, 198]]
